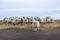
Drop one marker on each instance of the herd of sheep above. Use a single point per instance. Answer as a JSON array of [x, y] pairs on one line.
[[25, 20]]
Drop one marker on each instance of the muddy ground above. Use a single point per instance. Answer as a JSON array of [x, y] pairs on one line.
[[28, 34]]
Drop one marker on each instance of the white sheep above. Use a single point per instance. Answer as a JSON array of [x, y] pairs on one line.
[[36, 25]]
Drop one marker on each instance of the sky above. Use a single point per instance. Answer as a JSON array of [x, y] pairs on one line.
[[41, 8]]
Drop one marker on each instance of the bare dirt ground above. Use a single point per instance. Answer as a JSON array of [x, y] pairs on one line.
[[28, 34]]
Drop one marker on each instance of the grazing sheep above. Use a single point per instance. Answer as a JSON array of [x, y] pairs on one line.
[[14, 21], [19, 20], [30, 20], [6, 20], [35, 25], [37, 18], [25, 20], [49, 20]]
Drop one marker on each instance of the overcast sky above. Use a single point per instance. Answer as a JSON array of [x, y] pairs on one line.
[[40, 8]]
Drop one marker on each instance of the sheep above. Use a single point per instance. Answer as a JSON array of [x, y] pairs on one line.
[[49, 20], [6, 20], [37, 18], [30, 20], [36, 25], [25, 20], [14, 20]]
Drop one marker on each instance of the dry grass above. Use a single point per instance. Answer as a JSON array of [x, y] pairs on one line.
[[19, 26], [50, 26]]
